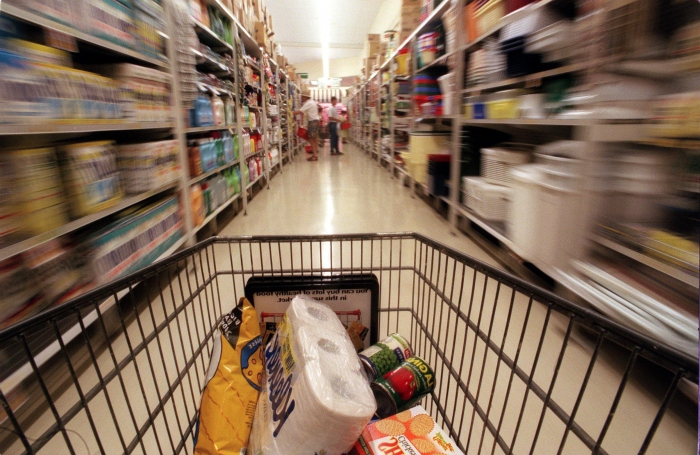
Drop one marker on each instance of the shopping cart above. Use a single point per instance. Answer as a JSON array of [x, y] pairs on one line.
[[519, 370]]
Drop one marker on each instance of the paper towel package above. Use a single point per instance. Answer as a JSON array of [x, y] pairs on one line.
[[315, 397]]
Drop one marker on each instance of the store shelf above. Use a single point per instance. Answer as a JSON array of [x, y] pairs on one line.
[[26, 370], [531, 122], [73, 226], [81, 36], [438, 62], [220, 5], [207, 129], [535, 77], [211, 64], [252, 154], [86, 126], [436, 14], [214, 172], [668, 270], [653, 69], [211, 39], [503, 22], [250, 185], [215, 213], [588, 129]]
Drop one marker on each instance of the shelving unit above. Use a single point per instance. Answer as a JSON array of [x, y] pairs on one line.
[[43, 132], [599, 135], [35, 19]]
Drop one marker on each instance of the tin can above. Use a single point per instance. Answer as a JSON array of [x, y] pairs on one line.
[[402, 387], [385, 355]]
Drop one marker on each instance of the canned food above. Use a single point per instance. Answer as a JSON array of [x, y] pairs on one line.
[[385, 355], [402, 387]]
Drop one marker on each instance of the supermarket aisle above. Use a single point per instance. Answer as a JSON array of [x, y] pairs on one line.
[[342, 195]]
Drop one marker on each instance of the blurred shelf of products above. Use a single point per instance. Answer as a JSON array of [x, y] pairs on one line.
[[561, 135], [126, 130]]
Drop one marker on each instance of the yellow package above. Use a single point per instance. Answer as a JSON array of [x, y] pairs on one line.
[[233, 385]]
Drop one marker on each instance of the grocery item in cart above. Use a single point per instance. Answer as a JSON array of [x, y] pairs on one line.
[[385, 355], [403, 387], [233, 384], [411, 431], [315, 396]]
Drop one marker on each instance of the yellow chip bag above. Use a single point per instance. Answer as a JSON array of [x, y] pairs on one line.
[[232, 386]]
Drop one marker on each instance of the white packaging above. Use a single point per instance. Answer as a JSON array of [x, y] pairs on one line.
[[315, 397]]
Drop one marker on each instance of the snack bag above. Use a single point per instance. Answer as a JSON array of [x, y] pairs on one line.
[[233, 385], [408, 432]]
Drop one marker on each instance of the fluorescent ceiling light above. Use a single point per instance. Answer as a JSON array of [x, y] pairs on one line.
[[324, 15]]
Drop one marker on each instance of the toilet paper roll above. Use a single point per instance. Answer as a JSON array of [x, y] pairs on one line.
[[315, 397], [307, 311]]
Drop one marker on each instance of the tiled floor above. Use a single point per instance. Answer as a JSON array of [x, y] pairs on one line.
[[342, 195]]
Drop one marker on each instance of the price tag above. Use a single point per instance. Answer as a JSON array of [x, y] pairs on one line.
[[60, 40]]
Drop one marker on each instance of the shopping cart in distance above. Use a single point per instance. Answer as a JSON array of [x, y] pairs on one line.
[[518, 369]]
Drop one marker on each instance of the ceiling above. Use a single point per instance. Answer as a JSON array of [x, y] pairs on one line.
[[300, 26]]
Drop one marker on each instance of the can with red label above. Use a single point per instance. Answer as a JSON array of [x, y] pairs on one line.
[[403, 387], [385, 355]]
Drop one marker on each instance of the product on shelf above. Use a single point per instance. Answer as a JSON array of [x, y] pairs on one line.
[[202, 114], [136, 239], [65, 13], [37, 52], [677, 115], [149, 24], [312, 379], [411, 431], [91, 176], [149, 166], [198, 206], [146, 91], [111, 20], [33, 281], [32, 192], [33, 92]]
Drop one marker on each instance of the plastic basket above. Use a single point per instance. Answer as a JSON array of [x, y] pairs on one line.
[[496, 163], [488, 200], [488, 15]]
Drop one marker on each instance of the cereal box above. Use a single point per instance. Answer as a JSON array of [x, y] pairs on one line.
[[406, 433]]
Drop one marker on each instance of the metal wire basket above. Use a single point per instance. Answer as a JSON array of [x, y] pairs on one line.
[[519, 370]]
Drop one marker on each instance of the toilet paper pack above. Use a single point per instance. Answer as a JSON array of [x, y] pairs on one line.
[[315, 398]]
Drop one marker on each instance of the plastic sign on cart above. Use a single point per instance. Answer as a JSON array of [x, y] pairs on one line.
[[354, 298]]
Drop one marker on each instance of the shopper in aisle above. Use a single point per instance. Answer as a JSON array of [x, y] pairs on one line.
[[344, 133], [310, 110], [333, 122]]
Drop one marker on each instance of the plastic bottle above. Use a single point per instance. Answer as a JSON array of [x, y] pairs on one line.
[[217, 107], [229, 111], [236, 180]]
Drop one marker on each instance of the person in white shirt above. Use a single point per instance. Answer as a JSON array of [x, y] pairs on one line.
[[310, 110], [333, 122]]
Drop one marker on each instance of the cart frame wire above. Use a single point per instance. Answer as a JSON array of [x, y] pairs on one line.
[[144, 342]]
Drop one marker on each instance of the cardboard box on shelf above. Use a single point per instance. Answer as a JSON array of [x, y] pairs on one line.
[[260, 34], [410, 22], [411, 3], [374, 48], [374, 38]]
